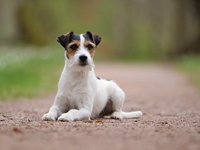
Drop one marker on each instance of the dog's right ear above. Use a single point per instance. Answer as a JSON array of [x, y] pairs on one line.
[[65, 39]]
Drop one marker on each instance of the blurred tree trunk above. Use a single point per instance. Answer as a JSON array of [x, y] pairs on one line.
[[122, 28], [8, 19], [194, 45], [173, 28]]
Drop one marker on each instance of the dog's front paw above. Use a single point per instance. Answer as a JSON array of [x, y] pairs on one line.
[[66, 117], [116, 115], [49, 117]]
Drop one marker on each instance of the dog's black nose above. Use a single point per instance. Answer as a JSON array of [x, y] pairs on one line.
[[83, 58]]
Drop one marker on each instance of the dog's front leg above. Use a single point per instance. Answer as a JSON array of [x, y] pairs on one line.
[[75, 114], [53, 113], [59, 106]]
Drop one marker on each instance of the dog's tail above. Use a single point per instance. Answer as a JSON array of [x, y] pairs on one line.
[[134, 114]]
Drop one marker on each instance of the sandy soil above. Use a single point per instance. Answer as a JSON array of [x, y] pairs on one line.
[[171, 118]]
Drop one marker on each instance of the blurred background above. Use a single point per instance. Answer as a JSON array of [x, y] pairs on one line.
[[132, 30]]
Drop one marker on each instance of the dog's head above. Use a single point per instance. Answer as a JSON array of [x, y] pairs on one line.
[[80, 48]]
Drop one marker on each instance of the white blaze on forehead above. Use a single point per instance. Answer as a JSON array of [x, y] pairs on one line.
[[82, 49], [82, 40]]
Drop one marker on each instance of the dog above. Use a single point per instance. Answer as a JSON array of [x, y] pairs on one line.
[[81, 95]]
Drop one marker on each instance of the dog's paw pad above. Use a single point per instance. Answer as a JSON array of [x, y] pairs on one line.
[[116, 115], [66, 118], [49, 117]]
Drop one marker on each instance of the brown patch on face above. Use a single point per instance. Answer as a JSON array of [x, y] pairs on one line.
[[72, 48], [90, 47]]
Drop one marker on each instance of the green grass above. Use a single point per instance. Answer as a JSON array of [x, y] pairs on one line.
[[190, 65], [29, 72]]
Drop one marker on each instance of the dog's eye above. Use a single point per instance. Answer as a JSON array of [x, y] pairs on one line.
[[90, 47], [74, 47]]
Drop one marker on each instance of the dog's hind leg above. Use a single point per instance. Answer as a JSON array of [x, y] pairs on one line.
[[117, 98]]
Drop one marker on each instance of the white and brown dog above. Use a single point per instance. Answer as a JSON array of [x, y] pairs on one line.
[[81, 95]]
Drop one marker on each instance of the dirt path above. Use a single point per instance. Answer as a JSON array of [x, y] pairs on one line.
[[171, 118]]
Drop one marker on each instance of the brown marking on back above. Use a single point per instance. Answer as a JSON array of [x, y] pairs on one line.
[[71, 52], [92, 51]]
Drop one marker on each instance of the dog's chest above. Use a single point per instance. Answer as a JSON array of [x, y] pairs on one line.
[[77, 90]]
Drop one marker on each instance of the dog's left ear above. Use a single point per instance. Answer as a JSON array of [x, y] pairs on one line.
[[65, 39], [96, 39]]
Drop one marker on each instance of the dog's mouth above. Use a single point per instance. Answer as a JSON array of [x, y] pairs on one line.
[[82, 64]]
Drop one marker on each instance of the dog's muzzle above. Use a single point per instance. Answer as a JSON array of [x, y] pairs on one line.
[[83, 60]]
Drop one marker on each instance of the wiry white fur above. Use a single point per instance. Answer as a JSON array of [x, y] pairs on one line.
[[82, 96]]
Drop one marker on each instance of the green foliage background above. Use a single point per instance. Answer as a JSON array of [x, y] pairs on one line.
[[41, 22], [29, 72]]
